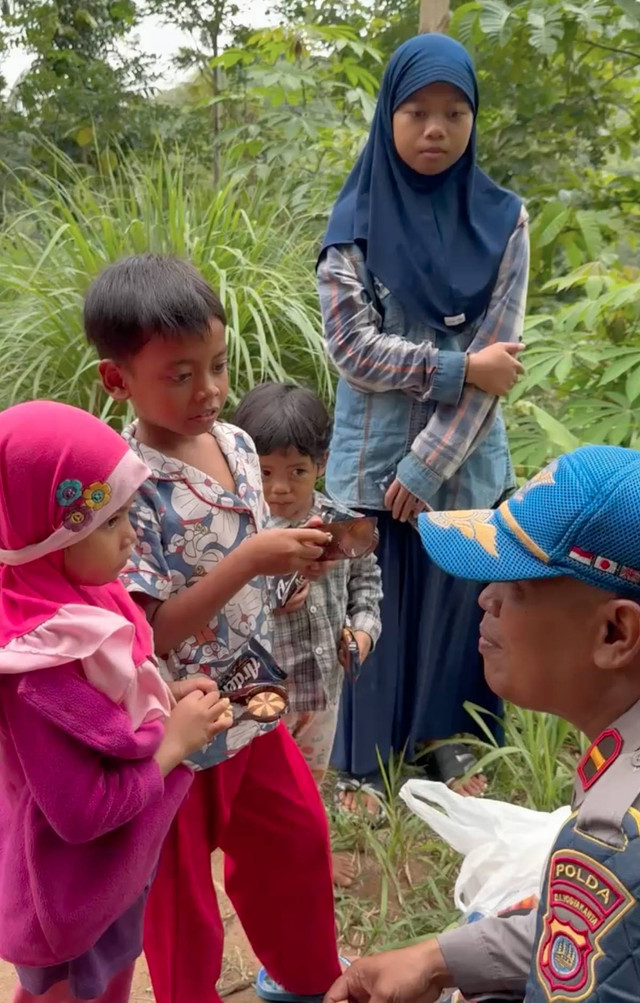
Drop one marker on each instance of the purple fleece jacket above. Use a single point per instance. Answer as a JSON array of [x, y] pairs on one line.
[[83, 814]]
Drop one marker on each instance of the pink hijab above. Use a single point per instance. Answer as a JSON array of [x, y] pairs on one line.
[[63, 473]]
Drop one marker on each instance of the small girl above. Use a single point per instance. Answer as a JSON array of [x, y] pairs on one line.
[[423, 281], [90, 776]]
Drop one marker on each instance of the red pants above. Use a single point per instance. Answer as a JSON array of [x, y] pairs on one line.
[[262, 808], [118, 992]]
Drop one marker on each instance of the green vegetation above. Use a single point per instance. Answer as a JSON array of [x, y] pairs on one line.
[[65, 227], [238, 168], [405, 886]]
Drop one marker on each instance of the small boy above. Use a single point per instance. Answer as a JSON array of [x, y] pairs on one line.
[[561, 634], [291, 429], [199, 572]]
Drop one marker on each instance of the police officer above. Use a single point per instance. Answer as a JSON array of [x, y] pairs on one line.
[[561, 633]]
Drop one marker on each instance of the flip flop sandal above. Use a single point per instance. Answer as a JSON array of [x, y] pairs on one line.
[[268, 989], [353, 785], [450, 763]]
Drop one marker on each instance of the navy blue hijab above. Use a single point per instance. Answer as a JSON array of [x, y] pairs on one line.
[[436, 242]]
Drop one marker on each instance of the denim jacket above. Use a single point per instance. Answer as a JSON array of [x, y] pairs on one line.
[[402, 408]]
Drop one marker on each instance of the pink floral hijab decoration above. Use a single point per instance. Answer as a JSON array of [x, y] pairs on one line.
[[63, 474]]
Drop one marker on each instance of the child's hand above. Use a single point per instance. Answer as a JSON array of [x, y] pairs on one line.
[[364, 644], [283, 551], [363, 641], [182, 687], [402, 504], [319, 569], [198, 718], [295, 603], [314, 522], [193, 722], [495, 369]]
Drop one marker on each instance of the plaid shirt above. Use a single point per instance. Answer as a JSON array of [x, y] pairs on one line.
[[403, 408], [306, 642]]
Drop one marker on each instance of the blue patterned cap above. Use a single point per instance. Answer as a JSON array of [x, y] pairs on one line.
[[580, 517]]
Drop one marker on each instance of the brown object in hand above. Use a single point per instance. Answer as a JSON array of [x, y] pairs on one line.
[[350, 538], [266, 705], [263, 702], [350, 653]]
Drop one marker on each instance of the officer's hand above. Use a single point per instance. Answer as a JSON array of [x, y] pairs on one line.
[[414, 975]]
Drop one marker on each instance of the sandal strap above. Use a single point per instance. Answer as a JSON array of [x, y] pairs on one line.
[[453, 761]]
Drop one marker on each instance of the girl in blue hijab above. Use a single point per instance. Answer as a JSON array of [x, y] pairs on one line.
[[422, 278]]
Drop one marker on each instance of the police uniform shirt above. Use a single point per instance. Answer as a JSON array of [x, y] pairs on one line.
[[583, 942]]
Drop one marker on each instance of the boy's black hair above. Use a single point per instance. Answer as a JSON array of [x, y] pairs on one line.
[[279, 416], [146, 296]]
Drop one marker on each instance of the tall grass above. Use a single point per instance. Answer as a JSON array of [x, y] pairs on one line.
[[405, 885], [536, 763], [59, 232]]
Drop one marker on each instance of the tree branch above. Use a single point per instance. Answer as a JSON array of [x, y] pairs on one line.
[[612, 48]]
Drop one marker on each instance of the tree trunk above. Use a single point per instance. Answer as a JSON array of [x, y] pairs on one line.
[[434, 15]]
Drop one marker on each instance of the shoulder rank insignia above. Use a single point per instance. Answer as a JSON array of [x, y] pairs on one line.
[[585, 901], [599, 757]]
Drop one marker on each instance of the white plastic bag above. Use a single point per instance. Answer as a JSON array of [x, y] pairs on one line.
[[505, 847]]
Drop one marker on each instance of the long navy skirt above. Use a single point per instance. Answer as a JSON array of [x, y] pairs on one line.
[[412, 688]]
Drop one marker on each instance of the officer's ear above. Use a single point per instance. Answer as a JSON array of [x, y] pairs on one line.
[[618, 640]]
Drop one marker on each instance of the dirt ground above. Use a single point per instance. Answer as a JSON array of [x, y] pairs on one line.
[[240, 965]]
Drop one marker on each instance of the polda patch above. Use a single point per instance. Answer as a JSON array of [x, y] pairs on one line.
[[585, 901]]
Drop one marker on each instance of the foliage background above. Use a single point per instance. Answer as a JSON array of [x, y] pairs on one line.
[[238, 167]]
